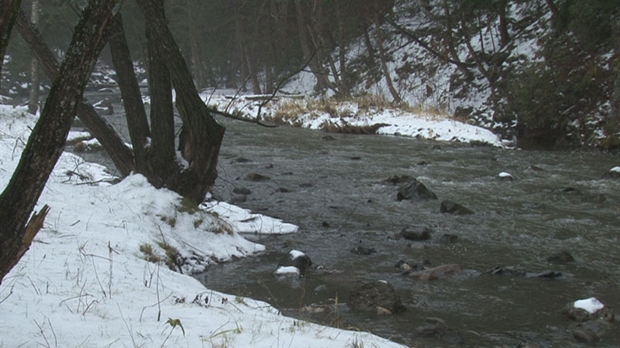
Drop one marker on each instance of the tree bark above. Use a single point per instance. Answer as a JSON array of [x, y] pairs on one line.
[[503, 24], [203, 136], [162, 152], [137, 122], [46, 143], [310, 53], [383, 58], [33, 101], [120, 154], [552, 7], [8, 13]]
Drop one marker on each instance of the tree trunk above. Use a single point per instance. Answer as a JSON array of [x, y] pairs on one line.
[[137, 122], [552, 7], [162, 153], [383, 58], [8, 12], [47, 140], [120, 154], [503, 24], [310, 53], [33, 100], [203, 136]]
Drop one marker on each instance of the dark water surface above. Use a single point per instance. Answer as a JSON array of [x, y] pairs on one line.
[[331, 189]]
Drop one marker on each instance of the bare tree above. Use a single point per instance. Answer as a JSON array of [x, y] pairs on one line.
[[8, 12], [47, 140], [33, 102], [201, 136], [120, 154]]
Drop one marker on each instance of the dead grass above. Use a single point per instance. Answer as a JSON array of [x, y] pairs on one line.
[[290, 110]]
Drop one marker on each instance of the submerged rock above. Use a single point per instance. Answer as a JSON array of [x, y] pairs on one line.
[[436, 272], [378, 296], [511, 271], [360, 250], [448, 238], [257, 177], [454, 208], [561, 257], [436, 327], [397, 179]]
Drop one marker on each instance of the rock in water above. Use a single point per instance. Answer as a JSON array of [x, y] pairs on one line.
[[561, 257], [416, 233], [454, 208], [377, 296], [296, 259], [415, 190]]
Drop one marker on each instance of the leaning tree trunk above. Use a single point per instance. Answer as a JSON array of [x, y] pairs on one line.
[[120, 154], [137, 123], [8, 11], [47, 140], [201, 136]]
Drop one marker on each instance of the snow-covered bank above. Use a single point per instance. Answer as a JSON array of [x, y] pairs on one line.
[[393, 121], [85, 281]]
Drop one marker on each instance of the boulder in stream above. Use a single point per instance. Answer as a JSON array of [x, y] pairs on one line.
[[416, 233], [588, 309], [294, 263], [593, 319], [613, 173], [414, 190], [454, 208], [378, 296]]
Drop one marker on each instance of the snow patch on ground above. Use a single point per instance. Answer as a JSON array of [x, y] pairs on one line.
[[85, 281]]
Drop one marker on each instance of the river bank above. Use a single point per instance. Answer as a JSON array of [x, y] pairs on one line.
[[86, 281]]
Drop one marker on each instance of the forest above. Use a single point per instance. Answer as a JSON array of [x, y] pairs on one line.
[[544, 71]]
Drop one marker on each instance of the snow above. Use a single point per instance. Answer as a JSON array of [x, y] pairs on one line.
[[590, 305], [396, 122], [296, 254], [615, 169], [287, 271], [85, 281]]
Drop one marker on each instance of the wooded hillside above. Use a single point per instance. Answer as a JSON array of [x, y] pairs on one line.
[[545, 70]]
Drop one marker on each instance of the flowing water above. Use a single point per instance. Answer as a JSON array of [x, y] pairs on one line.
[[332, 190]]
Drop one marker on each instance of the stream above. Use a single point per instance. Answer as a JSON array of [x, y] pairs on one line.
[[331, 188]]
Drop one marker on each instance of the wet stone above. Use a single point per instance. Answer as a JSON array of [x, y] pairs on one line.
[[360, 250], [415, 190], [257, 177], [416, 233], [296, 259], [561, 257], [448, 238], [450, 207], [375, 296], [585, 335], [241, 191]]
